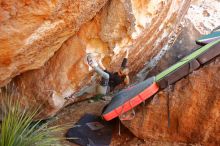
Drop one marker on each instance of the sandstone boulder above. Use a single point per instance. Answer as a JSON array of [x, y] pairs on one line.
[[53, 38], [32, 31], [189, 111], [194, 107], [118, 26]]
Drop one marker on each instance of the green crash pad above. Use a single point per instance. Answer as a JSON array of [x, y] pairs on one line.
[[185, 60], [209, 38]]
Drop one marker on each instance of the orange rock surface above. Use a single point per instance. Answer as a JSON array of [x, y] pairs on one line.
[[187, 112], [194, 107], [43, 44], [46, 42], [118, 26], [32, 31]]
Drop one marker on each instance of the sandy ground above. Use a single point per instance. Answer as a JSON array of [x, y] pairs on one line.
[[72, 113]]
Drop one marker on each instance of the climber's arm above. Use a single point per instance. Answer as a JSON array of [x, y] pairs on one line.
[[125, 60], [127, 80], [101, 72]]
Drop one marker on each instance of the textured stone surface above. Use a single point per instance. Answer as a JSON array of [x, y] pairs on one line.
[[47, 42], [119, 25], [194, 103], [31, 31], [194, 110], [72, 113], [54, 37]]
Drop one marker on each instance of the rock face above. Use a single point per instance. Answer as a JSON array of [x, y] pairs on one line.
[[32, 31], [193, 109], [194, 103], [119, 25], [47, 43]]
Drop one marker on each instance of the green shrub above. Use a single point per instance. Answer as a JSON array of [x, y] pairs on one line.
[[18, 128]]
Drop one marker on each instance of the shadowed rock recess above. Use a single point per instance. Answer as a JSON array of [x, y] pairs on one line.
[[43, 46]]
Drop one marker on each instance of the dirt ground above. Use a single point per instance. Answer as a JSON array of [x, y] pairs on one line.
[[72, 113]]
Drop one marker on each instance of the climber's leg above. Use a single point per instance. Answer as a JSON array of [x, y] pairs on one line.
[[102, 90], [103, 74], [125, 60], [91, 89], [103, 87]]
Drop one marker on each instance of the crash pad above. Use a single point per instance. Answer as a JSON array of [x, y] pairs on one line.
[[186, 60], [205, 39], [128, 98], [90, 130]]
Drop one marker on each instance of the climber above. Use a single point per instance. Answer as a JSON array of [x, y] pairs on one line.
[[110, 79]]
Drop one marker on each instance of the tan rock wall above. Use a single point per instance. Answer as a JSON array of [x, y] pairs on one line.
[[116, 27], [31, 31], [47, 42], [194, 106], [53, 38]]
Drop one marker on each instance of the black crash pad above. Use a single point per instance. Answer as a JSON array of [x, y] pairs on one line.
[[90, 130], [121, 97]]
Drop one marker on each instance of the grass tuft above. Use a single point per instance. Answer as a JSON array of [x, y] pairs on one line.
[[18, 129]]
